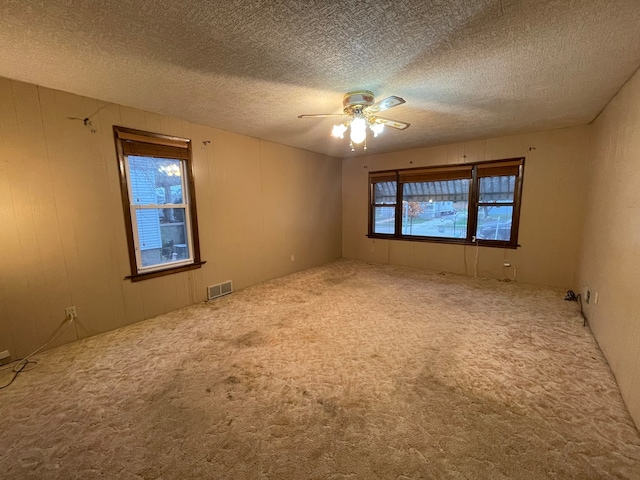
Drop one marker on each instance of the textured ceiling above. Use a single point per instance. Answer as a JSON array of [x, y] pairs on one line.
[[468, 69]]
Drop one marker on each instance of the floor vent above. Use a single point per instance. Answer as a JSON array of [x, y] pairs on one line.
[[215, 291]]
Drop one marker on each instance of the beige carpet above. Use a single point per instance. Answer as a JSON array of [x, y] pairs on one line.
[[347, 371]]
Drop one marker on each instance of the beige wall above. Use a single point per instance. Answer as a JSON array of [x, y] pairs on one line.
[[62, 237], [610, 260], [551, 214]]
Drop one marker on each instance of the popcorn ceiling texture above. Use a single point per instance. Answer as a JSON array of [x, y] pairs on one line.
[[468, 69], [343, 371]]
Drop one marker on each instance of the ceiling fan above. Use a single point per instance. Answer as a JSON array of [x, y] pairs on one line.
[[360, 109]]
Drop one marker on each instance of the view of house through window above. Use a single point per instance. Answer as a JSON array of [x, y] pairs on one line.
[[158, 201], [161, 215], [454, 204]]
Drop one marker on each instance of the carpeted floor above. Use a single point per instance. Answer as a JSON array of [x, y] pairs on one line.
[[346, 371]]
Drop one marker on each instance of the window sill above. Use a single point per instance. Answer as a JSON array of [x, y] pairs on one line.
[[447, 241], [138, 277]]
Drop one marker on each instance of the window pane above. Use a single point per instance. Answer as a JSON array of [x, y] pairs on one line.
[[436, 219], [385, 220], [440, 191], [171, 215], [497, 189], [494, 222], [148, 229], [155, 180], [436, 209], [162, 242], [385, 192]]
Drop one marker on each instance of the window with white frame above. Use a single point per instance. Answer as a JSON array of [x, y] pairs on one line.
[[158, 198]]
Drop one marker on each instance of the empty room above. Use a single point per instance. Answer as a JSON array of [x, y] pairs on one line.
[[320, 240]]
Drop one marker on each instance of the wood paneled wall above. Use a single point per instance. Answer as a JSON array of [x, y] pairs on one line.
[[553, 194], [62, 237], [610, 260]]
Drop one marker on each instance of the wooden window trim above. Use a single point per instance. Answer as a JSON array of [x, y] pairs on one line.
[[167, 271], [432, 174], [159, 146], [380, 177], [474, 171]]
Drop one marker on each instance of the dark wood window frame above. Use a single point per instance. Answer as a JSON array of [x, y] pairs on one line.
[[137, 142], [472, 171]]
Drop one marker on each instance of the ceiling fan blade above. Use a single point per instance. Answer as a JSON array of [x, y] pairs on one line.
[[385, 104], [392, 123], [321, 115]]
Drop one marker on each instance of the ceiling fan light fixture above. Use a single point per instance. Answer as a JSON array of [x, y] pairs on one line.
[[376, 128], [361, 111], [338, 130], [358, 130]]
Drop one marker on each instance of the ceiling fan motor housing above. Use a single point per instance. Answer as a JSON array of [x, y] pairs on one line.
[[354, 102]]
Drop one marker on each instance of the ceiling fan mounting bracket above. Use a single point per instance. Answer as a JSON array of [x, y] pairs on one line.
[[353, 103]]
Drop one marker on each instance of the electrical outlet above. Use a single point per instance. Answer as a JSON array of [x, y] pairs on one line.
[[71, 313], [587, 295], [293, 258]]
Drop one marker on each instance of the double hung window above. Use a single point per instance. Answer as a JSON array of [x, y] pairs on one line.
[[453, 204], [159, 202]]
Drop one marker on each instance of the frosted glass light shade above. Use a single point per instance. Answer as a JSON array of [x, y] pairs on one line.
[[377, 128], [358, 130], [338, 130]]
